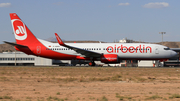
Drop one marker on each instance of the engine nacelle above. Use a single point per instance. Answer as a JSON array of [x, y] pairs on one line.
[[109, 58]]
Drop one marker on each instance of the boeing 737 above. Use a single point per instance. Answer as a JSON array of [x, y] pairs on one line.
[[104, 52]]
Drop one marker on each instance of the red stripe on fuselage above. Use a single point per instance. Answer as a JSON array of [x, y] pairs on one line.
[[38, 49]]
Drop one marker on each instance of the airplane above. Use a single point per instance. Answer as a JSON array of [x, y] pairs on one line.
[[104, 52]]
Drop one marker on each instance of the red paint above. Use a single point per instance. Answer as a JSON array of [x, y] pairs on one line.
[[34, 47], [122, 49], [131, 49], [59, 40], [162, 60], [109, 58], [110, 49]]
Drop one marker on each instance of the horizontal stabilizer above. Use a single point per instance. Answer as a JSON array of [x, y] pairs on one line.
[[14, 44]]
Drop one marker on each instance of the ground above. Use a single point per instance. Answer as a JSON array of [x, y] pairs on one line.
[[89, 84]]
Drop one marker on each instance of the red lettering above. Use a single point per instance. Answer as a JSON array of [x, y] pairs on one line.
[[122, 49], [139, 48], [148, 47], [110, 49], [118, 49], [131, 49]]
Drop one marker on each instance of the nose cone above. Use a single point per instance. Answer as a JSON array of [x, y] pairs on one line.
[[173, 53]]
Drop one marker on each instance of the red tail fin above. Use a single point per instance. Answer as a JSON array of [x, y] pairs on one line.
[[22, 34]]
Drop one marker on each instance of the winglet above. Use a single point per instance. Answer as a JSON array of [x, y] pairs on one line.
[[59, 40]]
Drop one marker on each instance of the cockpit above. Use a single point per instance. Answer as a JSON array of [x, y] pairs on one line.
[[167, 48]]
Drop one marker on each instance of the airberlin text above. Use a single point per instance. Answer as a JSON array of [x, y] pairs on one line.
[[131, 49]]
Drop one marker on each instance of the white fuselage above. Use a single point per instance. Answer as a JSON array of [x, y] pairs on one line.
[[123, 50]]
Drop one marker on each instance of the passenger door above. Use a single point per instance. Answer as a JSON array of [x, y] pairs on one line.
[[156, 50]]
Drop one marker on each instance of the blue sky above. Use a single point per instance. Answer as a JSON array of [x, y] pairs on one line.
[[98, 20]]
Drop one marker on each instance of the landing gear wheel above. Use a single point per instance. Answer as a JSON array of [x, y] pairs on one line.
[[92, 63]]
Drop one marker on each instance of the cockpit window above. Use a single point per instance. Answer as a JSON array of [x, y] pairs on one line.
[[167, 48]]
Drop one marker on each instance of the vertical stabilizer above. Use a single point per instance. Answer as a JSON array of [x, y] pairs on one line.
[[22, 34]]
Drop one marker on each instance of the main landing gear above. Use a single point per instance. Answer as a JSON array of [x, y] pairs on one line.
[[92, 63]]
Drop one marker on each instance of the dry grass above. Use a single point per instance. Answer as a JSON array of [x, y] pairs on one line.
[[89, 84]]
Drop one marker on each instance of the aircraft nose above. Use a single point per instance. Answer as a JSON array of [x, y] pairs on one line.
[[173, 53]]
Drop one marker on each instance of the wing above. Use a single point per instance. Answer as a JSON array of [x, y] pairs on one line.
[[175, 49], [84, 53]]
